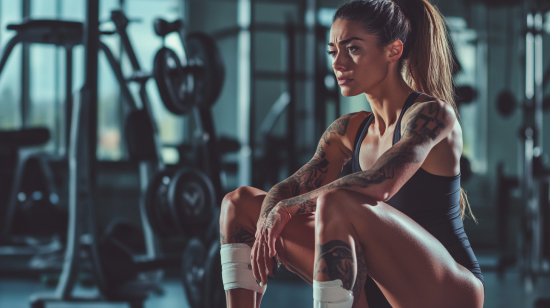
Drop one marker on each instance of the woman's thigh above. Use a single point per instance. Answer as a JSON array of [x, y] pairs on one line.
[[296, 244], [411, 267]]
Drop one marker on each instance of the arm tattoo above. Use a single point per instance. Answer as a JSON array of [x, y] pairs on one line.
[[308, 206], [336, 261], [245, 237], [308, 178], [361, 277], [314, 172], [222, 238], [339, 127], [281, 191], [423, 123]]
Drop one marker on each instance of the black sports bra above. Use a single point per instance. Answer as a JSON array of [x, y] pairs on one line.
[[432, 201]]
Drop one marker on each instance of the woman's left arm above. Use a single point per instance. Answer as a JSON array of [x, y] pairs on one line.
[[424, 125]]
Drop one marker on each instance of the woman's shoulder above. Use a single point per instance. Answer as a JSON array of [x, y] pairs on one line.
[[433, 106], [344, 123], [347, 126]]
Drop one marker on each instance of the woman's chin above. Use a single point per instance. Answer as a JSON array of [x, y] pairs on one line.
[[347, 92]]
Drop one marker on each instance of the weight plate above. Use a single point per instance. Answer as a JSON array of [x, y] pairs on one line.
[[205, 61], [156, 205], [193, 272], [175, 86], [191, 197], [214, 296]]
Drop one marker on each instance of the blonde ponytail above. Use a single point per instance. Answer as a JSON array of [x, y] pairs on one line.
[[429, 67]]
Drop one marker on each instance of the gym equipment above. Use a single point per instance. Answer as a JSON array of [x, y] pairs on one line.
[[531, 135], [465, 95], [192, 199], [191, 191], [534, 176], [24, 137], [193, 271], [504, 186], [81, 231], [506, 103], [138, 132], [13, 161], [201, 272], [180, 203], [29, 202], [208, 81], [197, 83], [117, 250], [171, 196], [205, 73], [37, 211], [171, 80], [214, 292]]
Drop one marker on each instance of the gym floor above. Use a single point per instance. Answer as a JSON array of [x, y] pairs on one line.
[[508, 292]]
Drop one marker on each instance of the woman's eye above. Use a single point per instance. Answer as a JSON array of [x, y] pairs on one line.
[[352, 49], [331, 53]]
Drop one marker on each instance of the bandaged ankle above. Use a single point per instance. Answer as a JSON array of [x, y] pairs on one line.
[[331, 294], [236, 268]]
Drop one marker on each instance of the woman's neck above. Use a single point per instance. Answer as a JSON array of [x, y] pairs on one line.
[[387, 101]]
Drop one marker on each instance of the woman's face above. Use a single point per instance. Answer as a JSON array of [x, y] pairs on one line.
[[357, 61]]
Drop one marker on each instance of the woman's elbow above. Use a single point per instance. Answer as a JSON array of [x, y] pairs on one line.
[[383, 193]]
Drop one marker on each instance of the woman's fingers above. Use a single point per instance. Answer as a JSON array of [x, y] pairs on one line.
[[268, 266], [262, 264], [254, 260], [271, 239], [278, 223]]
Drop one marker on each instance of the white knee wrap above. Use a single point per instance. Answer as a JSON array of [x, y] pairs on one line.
[[331, 294], [236, 268]]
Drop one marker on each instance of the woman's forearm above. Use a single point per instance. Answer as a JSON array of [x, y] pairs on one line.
[[379, 183], [281, 191], [365, 182]]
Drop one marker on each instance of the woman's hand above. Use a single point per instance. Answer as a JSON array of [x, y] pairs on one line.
[[263, 258]]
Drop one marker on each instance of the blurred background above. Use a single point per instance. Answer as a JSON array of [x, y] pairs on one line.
[[86, 165]]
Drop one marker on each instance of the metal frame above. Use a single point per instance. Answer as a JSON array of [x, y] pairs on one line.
[[531, 145], [245, 90]]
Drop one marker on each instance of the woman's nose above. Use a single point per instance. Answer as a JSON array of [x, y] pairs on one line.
[[338, 64]]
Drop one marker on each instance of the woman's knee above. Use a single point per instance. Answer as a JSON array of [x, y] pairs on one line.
[[329, 205], [237, 200], [240, 206], [340, 208]]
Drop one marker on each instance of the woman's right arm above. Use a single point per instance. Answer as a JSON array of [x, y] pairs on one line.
[[333, 151]]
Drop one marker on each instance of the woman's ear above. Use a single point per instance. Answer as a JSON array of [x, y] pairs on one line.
[[394, 51]]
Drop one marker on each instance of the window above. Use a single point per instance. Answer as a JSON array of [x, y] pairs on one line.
[[10, 79]]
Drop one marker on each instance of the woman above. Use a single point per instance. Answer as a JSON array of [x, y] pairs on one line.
[[390, 233]]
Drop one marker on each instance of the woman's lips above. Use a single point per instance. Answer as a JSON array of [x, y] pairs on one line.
[[344, 81]]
